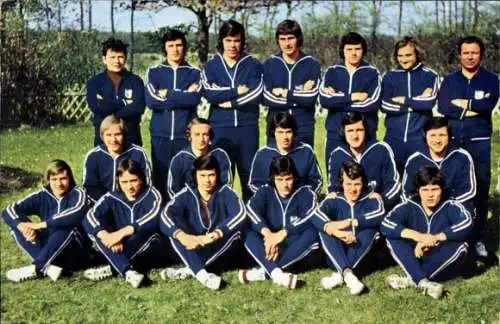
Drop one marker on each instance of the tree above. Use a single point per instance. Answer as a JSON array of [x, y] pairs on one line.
[[90, 14], [112, 17], [400, 17]]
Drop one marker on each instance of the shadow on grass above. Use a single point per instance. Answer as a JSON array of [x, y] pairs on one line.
[[14, 179], [493, 225]]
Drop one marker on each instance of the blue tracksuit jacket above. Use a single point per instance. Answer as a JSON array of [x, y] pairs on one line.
[[179, 173], [406, 121], [99, 171], [457, 167], [377, 161], [303, 158], [114, 211], [64, 213], [365, 78], [265, 209], [172, 113], [103, 100], [227, 213], [299, 103], [220, 85]]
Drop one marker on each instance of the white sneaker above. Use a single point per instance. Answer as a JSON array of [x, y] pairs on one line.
[[431, 288], [352, 282], [134, 278], [98, 274], [481, 249], [255, 274], [399, 282], [332, 281], [53, 272], [209, 280], [285, 279], [21, 274], [175, 273]]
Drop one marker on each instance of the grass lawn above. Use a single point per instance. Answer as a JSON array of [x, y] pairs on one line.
[[27, 151]]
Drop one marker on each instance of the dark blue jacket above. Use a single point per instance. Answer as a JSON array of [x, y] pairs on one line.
[[365, 78], [179, 173], [114, 211], [303, 158], [266, 210], [64, 213], [99, 168], [103, 100], [172, 113], [227, 213], [377, 161], [220, 86], [481, 92], [450, 217], [406, 121], [368, 211], [299, 102]]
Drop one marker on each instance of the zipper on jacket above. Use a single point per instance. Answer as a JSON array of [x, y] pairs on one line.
[[172, 123], [408, 113]]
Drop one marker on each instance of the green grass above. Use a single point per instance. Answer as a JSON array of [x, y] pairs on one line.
[[72, 299]]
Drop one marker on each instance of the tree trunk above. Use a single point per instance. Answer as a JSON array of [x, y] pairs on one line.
[[464, 15], [450, 22], [47, 13], [59, 16], [112, 17], [456, 15], [202, 35], [476, 15], [82, 27], [400, 17], [443, 4], [90, 15], [131, 51], [437, 15]]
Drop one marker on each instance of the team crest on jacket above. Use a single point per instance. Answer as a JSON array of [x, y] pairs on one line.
[[479, 94], [128, 93]]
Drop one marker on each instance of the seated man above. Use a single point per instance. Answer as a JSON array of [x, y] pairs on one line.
[[55, 243], [376, 158], [101, 162], [199, 133], [281, 233], [282, 131], [455, 163], [202, 221], [426, 236], [124, 223], [348, 225]]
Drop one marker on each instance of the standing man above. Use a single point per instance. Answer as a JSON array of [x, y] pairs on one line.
[[232, 81], [409, 92], [173, 94], [116, 91], [467, 97], [351, 85], [291, 81]]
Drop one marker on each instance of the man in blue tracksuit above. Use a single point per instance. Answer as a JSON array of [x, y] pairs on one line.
[[348, 86], [348, 226], [409, 92], [56, 242], [202, 221], [283, 142], [123, 224], [232, 82], [291, 81], [100, 163], [281, 233], [455, 163], [116, 91], [199, 133], [467, 97], [173, 92], [376, 158], [427, 235]]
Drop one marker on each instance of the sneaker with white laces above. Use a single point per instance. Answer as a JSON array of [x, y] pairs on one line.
[[134, 278], [175, 273], [98, 274], [285, 279], [22, 273], [208, 279], [255, 274], [332, 281], [431, 288], [481, 249], [399, 282], [353, 283], [53, 272]]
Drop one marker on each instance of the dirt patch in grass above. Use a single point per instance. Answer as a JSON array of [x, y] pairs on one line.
[[13, 179]]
